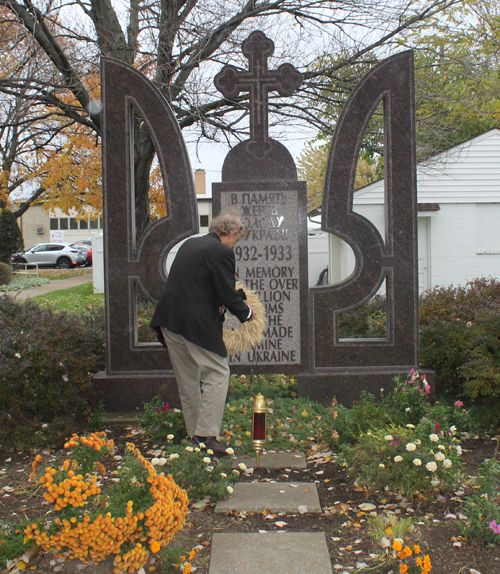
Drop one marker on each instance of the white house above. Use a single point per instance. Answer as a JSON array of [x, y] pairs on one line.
[[458, 216]]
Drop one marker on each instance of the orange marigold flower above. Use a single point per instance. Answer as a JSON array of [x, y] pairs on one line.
[[407, 551], [403, 569], [155, 546], [416, 549], [397, 546]]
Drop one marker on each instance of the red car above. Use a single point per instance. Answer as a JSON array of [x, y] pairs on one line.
[[86, 249]]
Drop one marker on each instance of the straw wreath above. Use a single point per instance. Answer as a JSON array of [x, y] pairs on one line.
[[249, 334]]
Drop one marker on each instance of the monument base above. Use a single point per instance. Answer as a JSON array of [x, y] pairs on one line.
[[128, 393], [346, 386]]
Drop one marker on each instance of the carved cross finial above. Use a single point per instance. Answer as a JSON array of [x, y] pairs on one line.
[[258, 81]]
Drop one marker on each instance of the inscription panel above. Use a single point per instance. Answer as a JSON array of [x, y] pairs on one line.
[[267, 261]]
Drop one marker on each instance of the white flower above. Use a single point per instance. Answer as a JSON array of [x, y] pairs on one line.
[[154, 461], [202, 445], [439, 456], [409, 426], [209, 468], [417, 462], [398, 458], [206, 459], [431, 466], [236, 472], [381, 465], [459, 449], [196, 449], [229, 450], [174, 455], [441, 447], [189, 448], [447, 463], [410, 447], [388, 437], [435, 482], [434, 437], [223, 475], [242, 466], [408, 409], [230, 489], [162, 460], [453, 429], [210, 451], [418, 442], [170, 437]]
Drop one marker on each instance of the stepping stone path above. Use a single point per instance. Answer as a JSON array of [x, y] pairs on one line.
[[276, 552]]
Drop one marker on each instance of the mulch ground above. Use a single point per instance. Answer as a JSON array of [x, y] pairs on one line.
[[436, 521]]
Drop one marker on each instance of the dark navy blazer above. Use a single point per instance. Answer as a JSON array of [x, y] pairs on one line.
[[201, 279]]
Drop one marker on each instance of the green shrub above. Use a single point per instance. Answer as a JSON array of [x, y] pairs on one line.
[[46, 363], [483, 507], [11, 238], [454, 321], [409, 459], [408, 401], [197, 472], [162, 422], [5, 274], [367, 321]]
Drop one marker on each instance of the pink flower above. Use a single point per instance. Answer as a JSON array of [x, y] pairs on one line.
[[436, 428], [394, 442], [427, 388], [459, 404], [165, 408], [495, 527], [156, 409]]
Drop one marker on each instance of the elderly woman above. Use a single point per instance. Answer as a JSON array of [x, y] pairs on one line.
[[190, 314]]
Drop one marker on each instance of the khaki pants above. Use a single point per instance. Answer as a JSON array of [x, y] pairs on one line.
[[203, 379]]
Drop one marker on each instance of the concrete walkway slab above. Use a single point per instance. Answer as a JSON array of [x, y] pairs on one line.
[[276, 553], [273, 496], [274, 461]]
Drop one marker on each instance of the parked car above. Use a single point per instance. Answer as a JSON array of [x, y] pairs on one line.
[[87, 250], [51, 255]]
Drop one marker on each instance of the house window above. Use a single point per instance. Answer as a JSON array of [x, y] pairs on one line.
[[73, 223], [84, 224], [93, 224], [54, 223], [203, 220], [100, 223], [63, 223]]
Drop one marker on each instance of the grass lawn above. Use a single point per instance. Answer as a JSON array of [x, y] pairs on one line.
[[53, 274], [75, 300]]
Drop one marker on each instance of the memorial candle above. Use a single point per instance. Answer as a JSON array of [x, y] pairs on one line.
[[259, 410]]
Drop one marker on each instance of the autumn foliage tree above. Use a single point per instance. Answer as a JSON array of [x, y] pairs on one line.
[[180, 45]]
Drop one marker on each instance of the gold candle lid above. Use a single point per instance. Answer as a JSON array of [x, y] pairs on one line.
[[259, 404]]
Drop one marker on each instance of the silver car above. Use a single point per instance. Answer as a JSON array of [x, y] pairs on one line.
[[61, 255]]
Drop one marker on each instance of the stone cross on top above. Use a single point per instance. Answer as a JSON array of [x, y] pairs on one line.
[[257, 48]]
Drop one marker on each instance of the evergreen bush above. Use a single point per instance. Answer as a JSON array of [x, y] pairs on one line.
[[460, 337], [46, 363], [5, 274], [11, 238]]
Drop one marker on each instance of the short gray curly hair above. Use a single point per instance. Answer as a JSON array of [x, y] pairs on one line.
[[227, 221]]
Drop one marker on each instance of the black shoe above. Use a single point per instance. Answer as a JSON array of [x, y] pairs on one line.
[[210, 443]]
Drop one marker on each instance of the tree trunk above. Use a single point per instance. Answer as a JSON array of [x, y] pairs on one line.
[[144, 153]]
